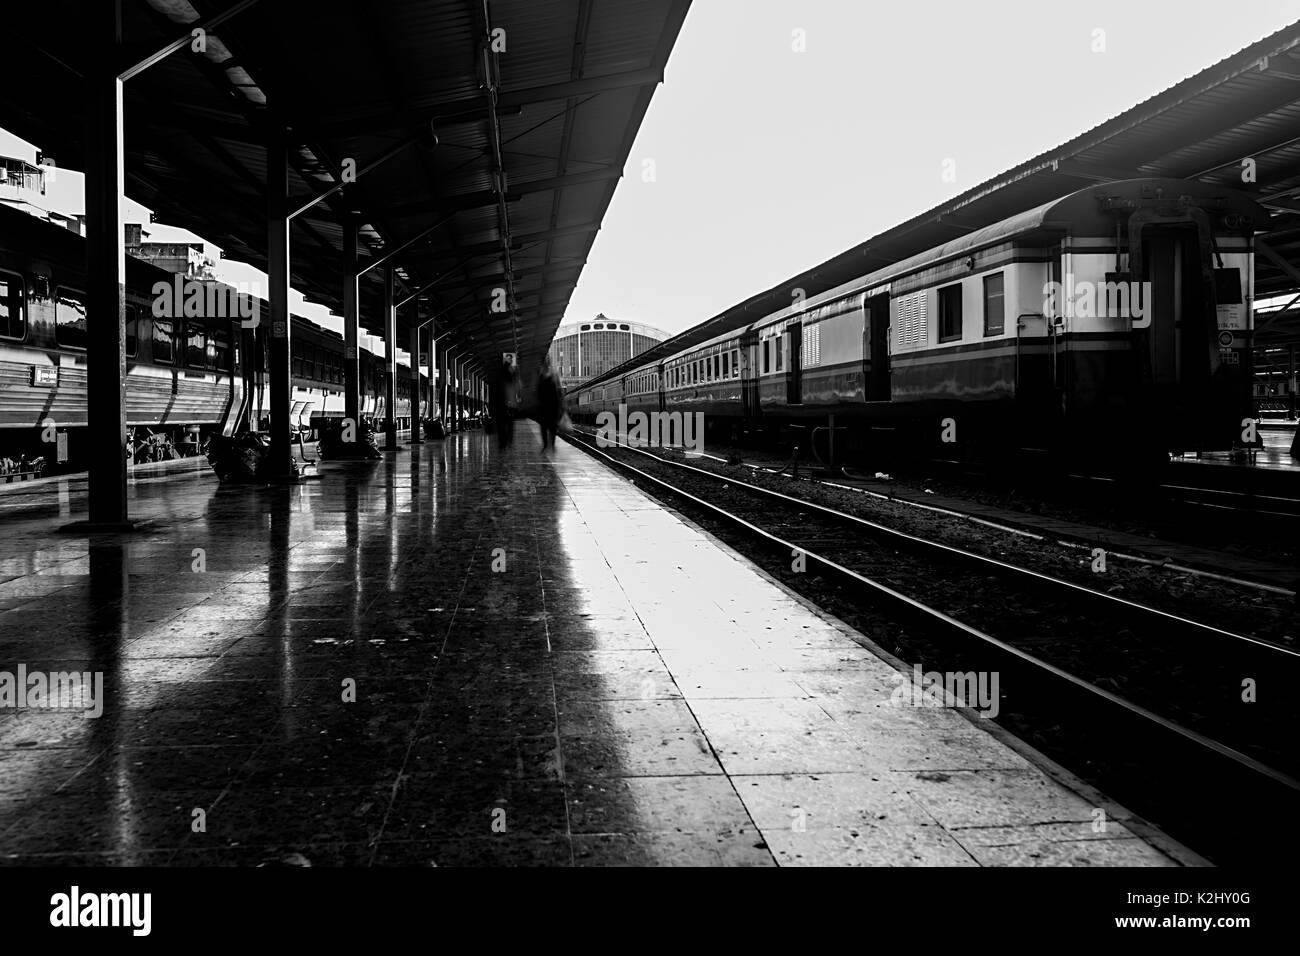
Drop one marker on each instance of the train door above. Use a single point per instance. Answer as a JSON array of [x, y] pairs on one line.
[[794, 369], [1174, 351], [875, 349], [749, 374]]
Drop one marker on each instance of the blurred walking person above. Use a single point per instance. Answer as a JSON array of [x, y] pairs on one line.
[[550, 403], [505, 391]]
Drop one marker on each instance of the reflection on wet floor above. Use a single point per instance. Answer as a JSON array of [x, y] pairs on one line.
[[448, 657]]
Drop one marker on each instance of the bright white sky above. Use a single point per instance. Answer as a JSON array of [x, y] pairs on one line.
[[767, 161]]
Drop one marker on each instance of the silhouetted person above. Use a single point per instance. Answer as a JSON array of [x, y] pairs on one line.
[[550, 403], [504, 389]]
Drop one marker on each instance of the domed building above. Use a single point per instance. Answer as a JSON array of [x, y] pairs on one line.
[[582, 350]]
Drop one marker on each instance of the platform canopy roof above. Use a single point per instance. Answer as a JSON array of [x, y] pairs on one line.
[[488, 139], [1245, 107]]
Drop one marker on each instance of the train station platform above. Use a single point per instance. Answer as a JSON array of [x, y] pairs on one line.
[[461, 657]]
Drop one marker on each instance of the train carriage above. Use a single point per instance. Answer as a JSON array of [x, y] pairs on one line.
[[186, 375], [1116, 318]]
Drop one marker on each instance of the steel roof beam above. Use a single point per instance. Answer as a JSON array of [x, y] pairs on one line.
[[582, 87], [181, 42]]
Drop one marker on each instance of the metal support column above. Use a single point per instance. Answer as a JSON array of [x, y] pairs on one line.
[[416, 438], [351, 362], [277, 274], [390, 360], [105, 279], [1291, 382], [453, 386]]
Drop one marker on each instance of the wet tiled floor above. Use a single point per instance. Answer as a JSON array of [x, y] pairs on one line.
[[458, 657]]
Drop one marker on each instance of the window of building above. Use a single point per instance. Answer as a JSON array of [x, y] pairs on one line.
[[625, 328], [164, 342], [13, 306], [70, 319], [994, 305], [196, 346], [950, 313]]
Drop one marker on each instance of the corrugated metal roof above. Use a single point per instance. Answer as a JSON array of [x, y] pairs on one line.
[[358, 81]]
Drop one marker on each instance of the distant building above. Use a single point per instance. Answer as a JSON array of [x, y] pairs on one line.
[[22, 187], [582, 350], [187, 258]]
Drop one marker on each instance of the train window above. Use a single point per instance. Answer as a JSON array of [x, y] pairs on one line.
[[164, 342], [13, 306], [767, 356], [70, 319], [297, 365], [994, 305], [210, 353], [726, 365], [196, 346], [735, 363], [219, 348], [950, 313], [776, 347], [132, 330]]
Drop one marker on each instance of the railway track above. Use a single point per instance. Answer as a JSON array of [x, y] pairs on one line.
[[1273, 512], [1146, 703]]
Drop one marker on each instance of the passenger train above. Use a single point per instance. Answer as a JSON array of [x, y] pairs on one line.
[[185, 376], [1115, 319]]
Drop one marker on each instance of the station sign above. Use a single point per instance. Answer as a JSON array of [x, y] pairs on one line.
[[45, 375], [424, 358], [508, 358], [1231, 316]]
